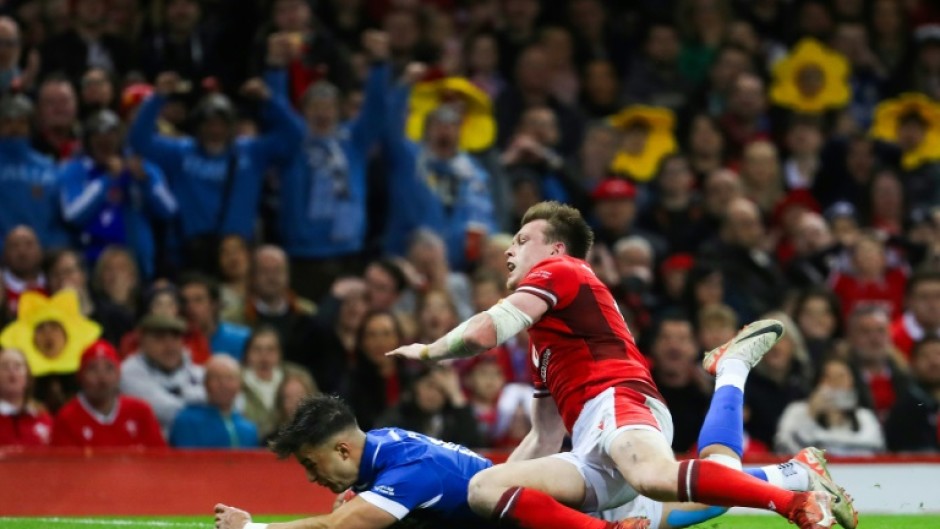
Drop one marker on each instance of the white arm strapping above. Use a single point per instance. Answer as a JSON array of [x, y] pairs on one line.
[[508, 320], [255, 525]]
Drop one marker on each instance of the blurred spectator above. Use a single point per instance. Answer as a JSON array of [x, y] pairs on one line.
[[235, 273], [705, 146], [215, 173], [656, 78], [758, 281], [704, 287], [675, 213], [890, 39], [704, 26], [716, 324], [264, 372], [161, 373], [163, 299], [448, 189], [598, 35], [745, 117], [385, 284], [816, 252], [323, 215], [831, 418], [804, 142], [924, 76], [86, 45], [215, 424], [886, 207], [559, 50], [272, 303], [314, 53], [12, 75], [30, 193], [532, 87], [96, 93], [23, 421], [816, 312], [294, 387], [182, 45], [99, 416], [730, 61], [436, 314], [634, 282], [761, 175], [437, 407], [870, 281], [601, 96], [615, 210], [868, 75], [113, 199], [57, 126], [22, 267], [679, 378], [428, 258], [912, 423], [335, 338], [882, 372], [52, 333], [783, 376], [202, 306], [377, 380], [597, 151], [65, 270], [719, 188], [116, 277], [481, 63], [922, 318]]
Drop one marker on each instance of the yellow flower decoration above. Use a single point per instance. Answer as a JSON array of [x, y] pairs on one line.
[[812, 78], [648, 138], [62, 308], [888, 115], [478, 129]]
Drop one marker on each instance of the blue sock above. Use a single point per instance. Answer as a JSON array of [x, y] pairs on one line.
[[757, 473], [724, 423]]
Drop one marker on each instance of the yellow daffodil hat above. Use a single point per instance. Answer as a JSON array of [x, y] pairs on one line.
[[811, 79], [63, 308], [659, 124], [478, 128], [888, 115]]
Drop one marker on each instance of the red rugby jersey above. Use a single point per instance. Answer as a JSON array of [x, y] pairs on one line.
[[581, 346], [131, 423]]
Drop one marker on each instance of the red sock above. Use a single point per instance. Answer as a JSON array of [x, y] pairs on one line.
[[533, 509], [715, 484]]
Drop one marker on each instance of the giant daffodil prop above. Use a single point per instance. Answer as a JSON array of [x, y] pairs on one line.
[[36, 309], [890, 114], [477, 129], [812, 79], [648, 137]]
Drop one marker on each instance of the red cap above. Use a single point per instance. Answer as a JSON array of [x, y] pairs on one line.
[[678, 262], [99, 349], [614, 189]]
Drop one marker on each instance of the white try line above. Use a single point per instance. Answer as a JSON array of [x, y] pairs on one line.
[[104, 522]]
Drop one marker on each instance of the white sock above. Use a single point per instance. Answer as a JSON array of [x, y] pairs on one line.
[[732, 372], [789, 476]]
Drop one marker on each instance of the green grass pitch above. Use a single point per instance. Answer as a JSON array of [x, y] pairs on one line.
[[204, 522]]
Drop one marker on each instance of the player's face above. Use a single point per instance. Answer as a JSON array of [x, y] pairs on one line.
[[529, 247], [329, 465]]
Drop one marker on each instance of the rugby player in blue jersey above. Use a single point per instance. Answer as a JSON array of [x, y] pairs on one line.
[[402, 477]]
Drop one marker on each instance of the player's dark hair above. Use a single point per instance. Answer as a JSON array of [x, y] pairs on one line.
[[565, 224], [317, 419]]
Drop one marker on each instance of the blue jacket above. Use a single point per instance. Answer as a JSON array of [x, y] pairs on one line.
[[111, 210], [230, 339], [402, 471], [198, 179], [417, 184], [202, 426], [323, 185], [29, 193]]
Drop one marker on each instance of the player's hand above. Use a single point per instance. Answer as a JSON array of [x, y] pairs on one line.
[[412, 352], [255, 88], [230, 518], [375, 44]]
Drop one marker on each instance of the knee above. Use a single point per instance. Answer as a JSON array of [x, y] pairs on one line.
[[656, 480], [482, 494]]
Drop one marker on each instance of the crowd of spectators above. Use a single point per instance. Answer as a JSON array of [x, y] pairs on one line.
[[210, 209]]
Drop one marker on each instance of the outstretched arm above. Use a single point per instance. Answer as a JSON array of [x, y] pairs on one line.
[[354, 514], [547, 433], [483, 331]]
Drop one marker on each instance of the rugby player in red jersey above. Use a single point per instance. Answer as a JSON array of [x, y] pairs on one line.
[[595, 385]]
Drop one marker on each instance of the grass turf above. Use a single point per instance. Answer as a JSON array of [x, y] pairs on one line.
[[203, 522]]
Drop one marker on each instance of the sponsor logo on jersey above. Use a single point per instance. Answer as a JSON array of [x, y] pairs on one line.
[[386, 490], [540, 274], [543, 367]]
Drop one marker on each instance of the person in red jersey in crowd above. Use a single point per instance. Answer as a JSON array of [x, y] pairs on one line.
[[23, 421], [99, 416], [592, 381], [922, 318]]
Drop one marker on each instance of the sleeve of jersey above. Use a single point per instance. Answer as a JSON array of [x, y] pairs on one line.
[[399, 490], [555, 282]]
